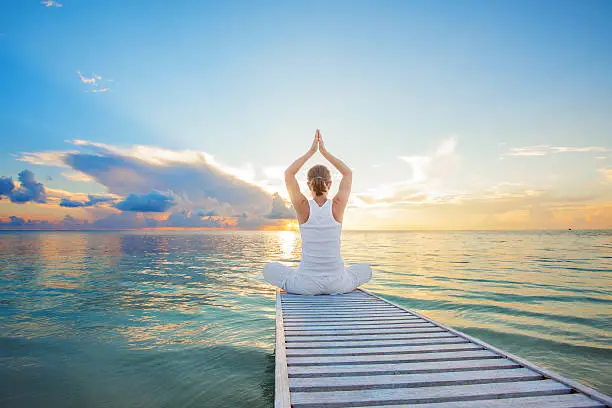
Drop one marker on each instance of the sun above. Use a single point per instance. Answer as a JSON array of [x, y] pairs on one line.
[[285, 225]]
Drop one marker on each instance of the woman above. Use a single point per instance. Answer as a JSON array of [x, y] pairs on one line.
[[321, 270]]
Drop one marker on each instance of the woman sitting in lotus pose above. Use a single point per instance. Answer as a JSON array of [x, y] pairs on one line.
[[321, 270]]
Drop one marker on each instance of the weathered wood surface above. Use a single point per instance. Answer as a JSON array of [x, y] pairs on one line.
[[281, 377], [359, 350]]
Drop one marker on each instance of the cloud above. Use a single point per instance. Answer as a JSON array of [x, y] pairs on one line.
[[28, 190], [45, 158], [89, 81], [165, 157], [280, 210], [188, 181], [94, 82], [70, 221], [274, 172], [55, 196], [15, 222], [418, 164], [125, 220], [91, 201], [499, 206], [101, 90], [188, 219], [447, 147], [204, 213], [393, 194], [6, 186], [248, 221], [96, 199], [422, 165], [77, 176], [65, 202], [253, 214], [194, 177], [177, 219], [422, 186], [155, 201], [51, 3], [518, 206], [274, 180], [543, 150], [607, 173]]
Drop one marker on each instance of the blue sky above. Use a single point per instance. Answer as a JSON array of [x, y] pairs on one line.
[[498, 101]]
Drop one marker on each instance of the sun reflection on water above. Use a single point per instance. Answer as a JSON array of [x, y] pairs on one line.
[[288, 242]]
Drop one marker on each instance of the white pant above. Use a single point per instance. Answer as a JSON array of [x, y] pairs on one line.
[[301, 283]]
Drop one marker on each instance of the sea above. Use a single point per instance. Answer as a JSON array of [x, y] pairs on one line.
[[184, 319]]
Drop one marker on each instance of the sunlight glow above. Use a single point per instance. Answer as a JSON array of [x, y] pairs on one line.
[[287, 241]]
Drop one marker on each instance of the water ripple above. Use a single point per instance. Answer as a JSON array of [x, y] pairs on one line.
[[184, 319]]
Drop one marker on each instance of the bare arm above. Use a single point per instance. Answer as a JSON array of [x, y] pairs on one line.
[[299, 201], [344, 191]]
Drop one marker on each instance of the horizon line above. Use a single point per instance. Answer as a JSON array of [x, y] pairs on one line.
[[290, 230]]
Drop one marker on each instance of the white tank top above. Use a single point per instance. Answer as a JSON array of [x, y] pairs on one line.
[[321, 241]]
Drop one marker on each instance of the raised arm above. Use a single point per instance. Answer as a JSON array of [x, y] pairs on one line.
[[344, 190], [299, 201]]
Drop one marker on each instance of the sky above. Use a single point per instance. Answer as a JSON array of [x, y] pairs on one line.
[[160, 114]]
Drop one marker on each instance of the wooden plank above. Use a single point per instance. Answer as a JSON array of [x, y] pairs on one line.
[[346, 321], [339, 304], [379, 351], [281, 377], [347, 314], [355, 294], [351, 321], [412, 380], [428, 394], [355, 310], [387, 358], [379, 343], [336, 304], [289, 319], [368, 300], [353, 326], [369, 303], [363, 301], [325, 298], [339, 308], [316, 308], [548, 401], [487, 362], [333, 299], [591, 392], [343, 313], [434, 333], [362, 331]]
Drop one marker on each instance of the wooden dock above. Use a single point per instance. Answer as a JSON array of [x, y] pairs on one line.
[[359, 350]]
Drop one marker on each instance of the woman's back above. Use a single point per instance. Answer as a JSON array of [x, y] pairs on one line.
[[321, 241]]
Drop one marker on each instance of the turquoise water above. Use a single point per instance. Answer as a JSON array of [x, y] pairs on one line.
[[183, 319]]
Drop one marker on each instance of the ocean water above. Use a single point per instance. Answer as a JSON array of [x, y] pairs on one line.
[[184, 319]]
